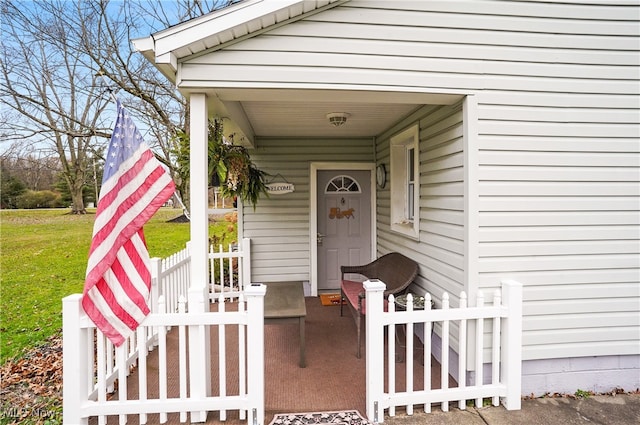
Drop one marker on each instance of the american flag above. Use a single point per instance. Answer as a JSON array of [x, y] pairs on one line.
[[118, 280]]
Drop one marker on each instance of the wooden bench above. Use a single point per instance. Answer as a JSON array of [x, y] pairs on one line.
[[393, 269]]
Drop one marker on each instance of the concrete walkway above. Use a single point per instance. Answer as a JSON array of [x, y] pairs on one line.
[[621, 409]]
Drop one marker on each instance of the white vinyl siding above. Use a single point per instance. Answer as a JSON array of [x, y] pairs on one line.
[[279, 227], [369, 43], [556, 140], [441, 213]]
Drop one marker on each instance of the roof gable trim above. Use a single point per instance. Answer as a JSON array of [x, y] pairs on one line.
[[239, 21], [238, 39]]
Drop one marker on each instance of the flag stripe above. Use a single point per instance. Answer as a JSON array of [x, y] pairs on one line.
[[128, 182], [100, 311], [94, 312], [118, 279], [134, 265], [125, 219], [141, 155], [114, 286], [121, 305], [131, 300], [124, 197], [116, 223], [132, 276]]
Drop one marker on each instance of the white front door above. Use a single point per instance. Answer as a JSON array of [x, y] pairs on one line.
[[343, 223]]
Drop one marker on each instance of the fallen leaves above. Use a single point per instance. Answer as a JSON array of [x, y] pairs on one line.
[[31, 386]]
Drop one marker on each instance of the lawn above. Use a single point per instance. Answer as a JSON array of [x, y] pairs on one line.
[[43, 258]]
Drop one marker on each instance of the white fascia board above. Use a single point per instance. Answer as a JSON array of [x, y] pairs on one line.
[[167, 63], [197, 29], [143, 44], [167, 59]]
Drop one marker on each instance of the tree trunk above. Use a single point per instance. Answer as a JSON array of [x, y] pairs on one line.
[[77, 203], [77, 200]]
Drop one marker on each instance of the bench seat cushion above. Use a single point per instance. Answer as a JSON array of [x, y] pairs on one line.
[[351, 291]]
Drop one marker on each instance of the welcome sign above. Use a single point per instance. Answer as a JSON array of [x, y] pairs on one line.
[[279, 188]]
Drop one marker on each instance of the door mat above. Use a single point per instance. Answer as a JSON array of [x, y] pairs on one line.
[[345, 417], [330, 299]]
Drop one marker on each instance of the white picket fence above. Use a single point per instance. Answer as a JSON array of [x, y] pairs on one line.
[[229, 271], [94, 370], [93, 366], [505, 316], [90, 369], [170, 278]]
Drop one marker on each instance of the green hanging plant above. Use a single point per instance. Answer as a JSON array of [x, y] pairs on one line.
[[231, 166]]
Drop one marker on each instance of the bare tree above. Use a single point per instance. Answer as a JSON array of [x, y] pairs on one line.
[[61, 59], [58, 98], [36, 168], [106, 30]]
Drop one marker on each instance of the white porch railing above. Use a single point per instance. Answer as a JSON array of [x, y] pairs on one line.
[[93, 366], [170, 279], [90, 369], [229, 271], [505, 315]]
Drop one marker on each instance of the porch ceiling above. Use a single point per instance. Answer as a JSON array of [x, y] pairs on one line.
[[303, 119], [303, 113]]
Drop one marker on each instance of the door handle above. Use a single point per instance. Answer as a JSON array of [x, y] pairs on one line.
[[319, 238]]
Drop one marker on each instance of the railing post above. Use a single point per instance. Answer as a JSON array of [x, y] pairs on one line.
[[199, 353], [254, 295], [74, 361], [374, 343], [245, 279], [156, 270], [512, 344]]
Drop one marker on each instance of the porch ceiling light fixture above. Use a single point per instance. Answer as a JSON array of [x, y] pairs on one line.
[[337, 118]]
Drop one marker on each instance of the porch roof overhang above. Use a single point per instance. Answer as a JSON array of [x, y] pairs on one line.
[[302, 112]]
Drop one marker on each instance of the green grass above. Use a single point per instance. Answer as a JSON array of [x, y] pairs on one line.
[[43, 258]]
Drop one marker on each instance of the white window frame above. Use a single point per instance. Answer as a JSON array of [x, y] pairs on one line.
[[405, 194]]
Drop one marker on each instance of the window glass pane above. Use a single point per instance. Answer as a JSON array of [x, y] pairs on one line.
[[342, 184], [410, 201], [410, 158], [404, 176]]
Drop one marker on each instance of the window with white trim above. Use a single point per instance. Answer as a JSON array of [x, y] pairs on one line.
[[404, 182]]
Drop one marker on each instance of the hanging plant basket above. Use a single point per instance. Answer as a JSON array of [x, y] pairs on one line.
[[231, 168]]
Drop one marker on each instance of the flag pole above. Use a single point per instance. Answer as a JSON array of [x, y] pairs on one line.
[[100, 74]]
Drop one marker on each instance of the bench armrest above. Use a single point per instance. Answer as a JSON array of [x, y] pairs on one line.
[[363, 270]]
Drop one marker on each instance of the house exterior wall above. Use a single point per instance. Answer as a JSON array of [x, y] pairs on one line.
[[440, 249], [556, 144], [279, 226]]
